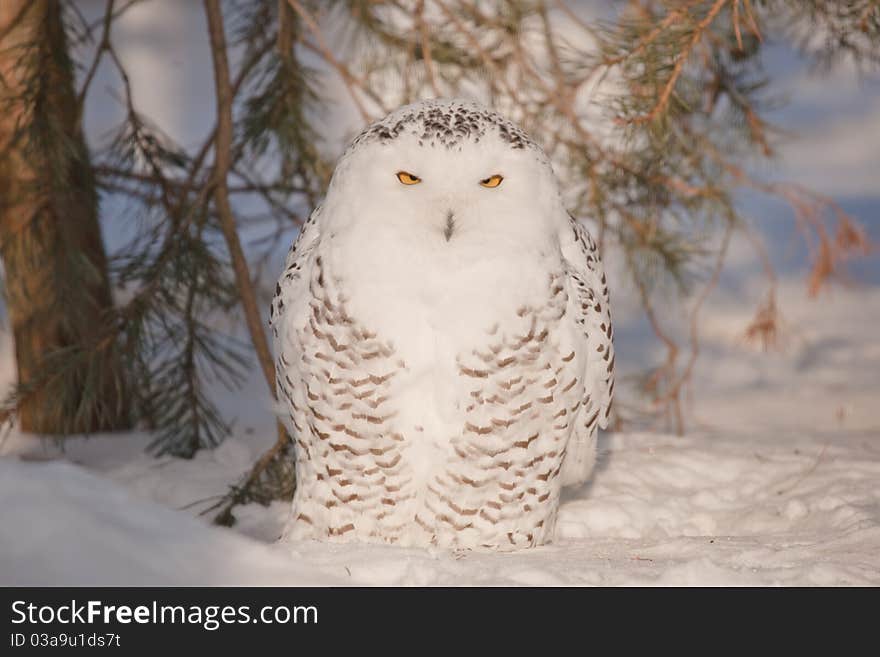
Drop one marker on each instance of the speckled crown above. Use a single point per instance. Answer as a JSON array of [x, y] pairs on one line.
[[447, 123]]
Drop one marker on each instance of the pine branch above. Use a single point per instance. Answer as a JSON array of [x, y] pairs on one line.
[[103, 46], [222, 164], [681, 60]]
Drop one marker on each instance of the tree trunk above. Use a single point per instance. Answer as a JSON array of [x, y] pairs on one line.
[[56, 277]]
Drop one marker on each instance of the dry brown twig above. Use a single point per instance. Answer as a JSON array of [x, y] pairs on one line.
[[222, 165], [426, 46]]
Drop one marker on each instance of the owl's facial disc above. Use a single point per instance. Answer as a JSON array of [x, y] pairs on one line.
[[407, 178]]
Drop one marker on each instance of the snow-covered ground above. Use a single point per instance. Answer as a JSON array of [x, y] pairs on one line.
[[777, 483]]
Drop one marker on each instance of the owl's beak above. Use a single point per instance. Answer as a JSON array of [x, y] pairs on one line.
[[450, 225]]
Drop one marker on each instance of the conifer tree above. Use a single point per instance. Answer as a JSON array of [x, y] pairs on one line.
[[56, 274]]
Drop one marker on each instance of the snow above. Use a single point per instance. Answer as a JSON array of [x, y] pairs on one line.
[[63, 526], [700, 510], [777, 483]]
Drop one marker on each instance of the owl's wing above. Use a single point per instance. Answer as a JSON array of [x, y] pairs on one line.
[[589, 307], [292, 283], [289, 305]]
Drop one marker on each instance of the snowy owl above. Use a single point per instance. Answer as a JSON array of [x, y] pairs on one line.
[[443, 339]]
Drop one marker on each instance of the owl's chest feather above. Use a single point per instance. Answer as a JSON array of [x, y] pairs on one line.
[[438, 296], [454, 425]]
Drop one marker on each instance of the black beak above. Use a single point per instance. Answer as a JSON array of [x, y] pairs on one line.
[[450, 225]]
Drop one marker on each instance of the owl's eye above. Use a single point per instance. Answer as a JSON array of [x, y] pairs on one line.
[[408, 178], [492, 181]]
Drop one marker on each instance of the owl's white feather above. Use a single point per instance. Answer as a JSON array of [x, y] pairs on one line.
[[443, 349], [590, 306]]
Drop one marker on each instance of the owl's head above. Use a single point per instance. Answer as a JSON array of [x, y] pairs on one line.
[[445, 171]]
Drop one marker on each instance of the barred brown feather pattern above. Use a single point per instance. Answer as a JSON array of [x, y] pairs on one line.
[[590, 307], [496, 484], [500, 485], [350, 466]]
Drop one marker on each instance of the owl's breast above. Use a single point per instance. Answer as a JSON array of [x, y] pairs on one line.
[[427, 294], [405, 356], [438, 306]]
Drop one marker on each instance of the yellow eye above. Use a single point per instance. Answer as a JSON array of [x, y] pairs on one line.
[[408, 178], [492, 181]]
